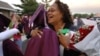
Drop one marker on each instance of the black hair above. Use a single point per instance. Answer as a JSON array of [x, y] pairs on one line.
[[64, 9]]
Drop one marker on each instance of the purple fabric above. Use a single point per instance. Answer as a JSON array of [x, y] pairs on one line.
[[47, 45], [36, 13], [39, 20], [11, 49], [2, 26], [25, 23], [4, 20]]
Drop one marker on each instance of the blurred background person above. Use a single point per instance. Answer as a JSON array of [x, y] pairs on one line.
[[17, 24]]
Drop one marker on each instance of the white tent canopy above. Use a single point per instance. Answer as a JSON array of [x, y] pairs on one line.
[[85, 22]]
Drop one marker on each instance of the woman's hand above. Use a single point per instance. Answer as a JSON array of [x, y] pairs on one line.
[[36, 32], [64, 40]]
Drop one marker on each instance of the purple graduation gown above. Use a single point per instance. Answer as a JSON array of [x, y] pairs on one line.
[[11, 49], [25, 23], [47, 45]]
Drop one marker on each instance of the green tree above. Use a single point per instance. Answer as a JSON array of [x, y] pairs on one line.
[[28, 6], [77, 15], [81, 15], [84, 15], [91, 15]]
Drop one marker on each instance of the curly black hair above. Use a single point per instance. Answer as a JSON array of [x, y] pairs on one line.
[[64, 9]]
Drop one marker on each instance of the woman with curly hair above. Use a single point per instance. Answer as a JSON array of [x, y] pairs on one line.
[[59, 19]]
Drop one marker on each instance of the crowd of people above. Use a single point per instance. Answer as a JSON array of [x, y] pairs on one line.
[[52, 35]]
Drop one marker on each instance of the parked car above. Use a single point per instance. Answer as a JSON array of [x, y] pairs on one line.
[[97, 19]]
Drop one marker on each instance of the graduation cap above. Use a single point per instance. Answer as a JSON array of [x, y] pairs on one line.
[[39, 18], [4, 22]]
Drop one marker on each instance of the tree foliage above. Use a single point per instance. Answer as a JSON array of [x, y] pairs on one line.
[[28, 6]]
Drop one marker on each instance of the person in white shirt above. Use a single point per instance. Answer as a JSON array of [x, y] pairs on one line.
[[7, 47]]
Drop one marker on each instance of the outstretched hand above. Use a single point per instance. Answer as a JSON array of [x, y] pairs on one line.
[[36, 32]]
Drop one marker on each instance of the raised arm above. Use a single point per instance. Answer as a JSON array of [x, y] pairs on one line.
[[8, 33]]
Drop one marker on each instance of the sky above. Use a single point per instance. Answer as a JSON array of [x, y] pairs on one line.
[[76, 6]]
